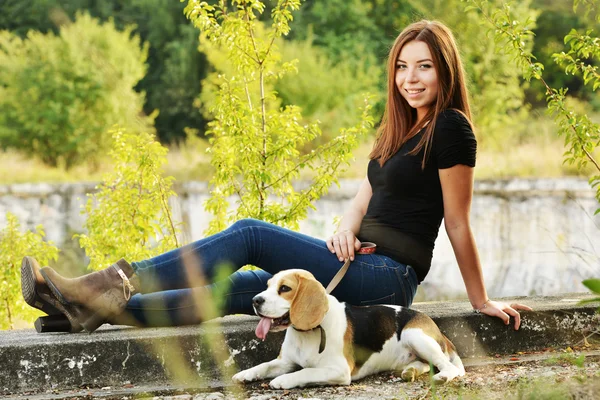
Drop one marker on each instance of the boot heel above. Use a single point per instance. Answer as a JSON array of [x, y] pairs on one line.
[[53, 323], [93, 322]]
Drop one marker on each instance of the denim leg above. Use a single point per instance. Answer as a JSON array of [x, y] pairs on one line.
[[178, 307], [186, 275]]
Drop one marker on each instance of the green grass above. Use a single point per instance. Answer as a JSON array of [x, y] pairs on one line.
[[536, 151], [581, 387], [566, 359]]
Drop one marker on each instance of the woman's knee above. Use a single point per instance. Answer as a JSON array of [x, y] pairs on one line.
[[246, 223], [249, 280]]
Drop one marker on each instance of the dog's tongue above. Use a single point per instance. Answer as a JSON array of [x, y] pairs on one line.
[[263, 328]]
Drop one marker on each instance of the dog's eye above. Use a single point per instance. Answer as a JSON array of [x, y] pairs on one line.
[[284, 288]]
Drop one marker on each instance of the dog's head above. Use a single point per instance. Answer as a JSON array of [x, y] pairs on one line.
[[293, 297]]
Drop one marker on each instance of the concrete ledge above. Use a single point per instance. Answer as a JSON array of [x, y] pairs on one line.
[[207, 355]]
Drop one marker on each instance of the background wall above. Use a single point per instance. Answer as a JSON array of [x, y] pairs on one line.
[[534, 236]]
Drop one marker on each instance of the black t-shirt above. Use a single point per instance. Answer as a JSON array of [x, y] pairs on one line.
[[406, 209]]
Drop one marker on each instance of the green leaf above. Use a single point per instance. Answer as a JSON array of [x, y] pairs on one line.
[[593, 285]]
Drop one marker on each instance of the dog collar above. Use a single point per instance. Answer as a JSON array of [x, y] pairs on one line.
[[323, 336]]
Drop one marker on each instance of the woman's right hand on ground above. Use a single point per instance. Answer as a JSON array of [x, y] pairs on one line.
[[343, 244], [504, 311]]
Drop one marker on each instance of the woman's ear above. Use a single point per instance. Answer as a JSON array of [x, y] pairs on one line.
[[310, 303]]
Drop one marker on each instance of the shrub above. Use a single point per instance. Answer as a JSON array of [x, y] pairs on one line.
[[59, 95], [130, 216], [13, 246]]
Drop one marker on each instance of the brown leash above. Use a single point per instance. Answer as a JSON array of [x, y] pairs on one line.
[[338, 277], [365, 248]]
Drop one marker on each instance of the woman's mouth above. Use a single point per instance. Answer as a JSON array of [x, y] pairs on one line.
[[414, 91]]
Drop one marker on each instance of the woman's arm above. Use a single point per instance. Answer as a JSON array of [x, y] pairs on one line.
[[457, 191], [344, 243]]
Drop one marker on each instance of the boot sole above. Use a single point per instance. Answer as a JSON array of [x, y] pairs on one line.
[[31, 290]]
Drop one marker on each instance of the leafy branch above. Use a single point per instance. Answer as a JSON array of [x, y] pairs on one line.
[[582, 136], [129, 216], [256, 151]]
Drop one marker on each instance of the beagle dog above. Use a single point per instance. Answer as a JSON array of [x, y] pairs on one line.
[[335, 343]]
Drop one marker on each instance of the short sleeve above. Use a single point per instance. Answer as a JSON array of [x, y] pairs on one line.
[[453, 140]]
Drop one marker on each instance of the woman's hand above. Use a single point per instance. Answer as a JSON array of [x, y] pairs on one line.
[[504, 311], [343, 244]]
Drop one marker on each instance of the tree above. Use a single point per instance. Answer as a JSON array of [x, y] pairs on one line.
[[581, 134], [324, 91], [342, 27], [174, 66], [254, 142], [60, 94], [555, 20]]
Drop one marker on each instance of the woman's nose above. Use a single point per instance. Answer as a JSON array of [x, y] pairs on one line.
[[411, 75]]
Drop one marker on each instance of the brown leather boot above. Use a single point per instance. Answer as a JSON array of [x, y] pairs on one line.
[[95, 298], [37, 294]]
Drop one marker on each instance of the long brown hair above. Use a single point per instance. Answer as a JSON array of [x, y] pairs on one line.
[[399, 121]]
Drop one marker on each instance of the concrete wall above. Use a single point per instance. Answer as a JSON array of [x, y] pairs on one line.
[[534, 236]]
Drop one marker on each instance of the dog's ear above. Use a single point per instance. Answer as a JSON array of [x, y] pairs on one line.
[[310, 303]]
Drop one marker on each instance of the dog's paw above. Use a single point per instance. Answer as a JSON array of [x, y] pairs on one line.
[[247, 375], [283, 382], [445, 376], [409, 374]]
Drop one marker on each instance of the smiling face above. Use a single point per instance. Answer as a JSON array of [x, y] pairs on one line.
[[416, 78]]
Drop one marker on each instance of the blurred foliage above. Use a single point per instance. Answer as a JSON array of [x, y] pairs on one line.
[[175, 67], [327, 91], [356, 34], [129, 216], [594, 286], [347, 39], [59, 94], [13, 246], [346, 29], [353, 35]]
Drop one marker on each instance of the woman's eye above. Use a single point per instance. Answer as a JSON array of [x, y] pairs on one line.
[[426, 66], [401, 66], [284, 288]]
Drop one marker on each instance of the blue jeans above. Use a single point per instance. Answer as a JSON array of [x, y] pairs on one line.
[[173, 282]]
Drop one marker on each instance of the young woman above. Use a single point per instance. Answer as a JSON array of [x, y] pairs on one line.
[[421, 171]]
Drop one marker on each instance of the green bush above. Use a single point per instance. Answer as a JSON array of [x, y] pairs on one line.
[[130, 216], [60, 94], [13, 246]]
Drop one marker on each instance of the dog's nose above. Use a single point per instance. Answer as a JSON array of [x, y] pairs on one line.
[[257, 301]]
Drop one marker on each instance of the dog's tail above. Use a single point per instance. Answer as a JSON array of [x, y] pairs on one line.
[[453, 356]]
